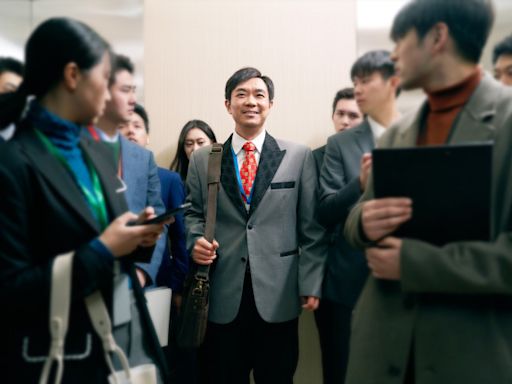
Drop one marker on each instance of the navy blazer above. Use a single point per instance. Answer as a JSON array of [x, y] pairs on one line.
[[175, 261]]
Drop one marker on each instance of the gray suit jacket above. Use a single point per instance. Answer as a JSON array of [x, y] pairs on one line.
[[278, 237], [346, 268], [453, 304], [140, 174]]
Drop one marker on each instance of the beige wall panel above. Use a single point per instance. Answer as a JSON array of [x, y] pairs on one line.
[[193, 46]]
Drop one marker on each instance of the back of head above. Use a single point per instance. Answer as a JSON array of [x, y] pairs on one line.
[[373, 61], [504, 47], [51, 46], [10, 64], [244, 74], [469, 23]]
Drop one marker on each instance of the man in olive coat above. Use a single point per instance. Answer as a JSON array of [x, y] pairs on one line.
[[430, 314]]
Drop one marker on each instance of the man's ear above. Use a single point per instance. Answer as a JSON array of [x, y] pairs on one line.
[[227, 104], [440, 34], [395, 81], [270, 104], [71, 76]]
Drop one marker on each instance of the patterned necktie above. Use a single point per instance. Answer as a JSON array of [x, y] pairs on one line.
[[249, 168]]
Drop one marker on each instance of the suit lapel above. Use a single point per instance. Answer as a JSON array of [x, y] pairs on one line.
[[229, 179], [57, 176], [113, 187], [270, 159]]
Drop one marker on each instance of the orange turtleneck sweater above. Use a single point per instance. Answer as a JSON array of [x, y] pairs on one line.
[[444, 106]]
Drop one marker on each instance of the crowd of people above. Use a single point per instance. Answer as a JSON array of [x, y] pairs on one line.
[[296, 229]]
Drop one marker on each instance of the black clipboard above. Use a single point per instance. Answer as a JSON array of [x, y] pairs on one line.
[[450, 186]]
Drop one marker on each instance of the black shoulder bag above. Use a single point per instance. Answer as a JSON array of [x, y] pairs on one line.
[[194, 309]]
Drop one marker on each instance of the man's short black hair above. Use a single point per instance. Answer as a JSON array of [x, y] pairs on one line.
[[469, 23], [244, 74], [10, 64], [342, 94], [139, 110], [504, 47], [373, 61], [120, 63]]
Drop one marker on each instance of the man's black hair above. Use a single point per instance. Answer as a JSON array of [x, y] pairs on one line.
[[10, 64], [469, 23], [244, 74], [342, 94], [139, 110], [120, 63], [373, 61], [504, 47]]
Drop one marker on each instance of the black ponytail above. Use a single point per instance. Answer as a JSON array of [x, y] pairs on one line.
[[53, 44]]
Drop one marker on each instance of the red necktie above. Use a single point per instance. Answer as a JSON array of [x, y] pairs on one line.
[[249, 168]]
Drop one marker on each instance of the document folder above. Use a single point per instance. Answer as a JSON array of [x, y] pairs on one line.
[[450, 187]]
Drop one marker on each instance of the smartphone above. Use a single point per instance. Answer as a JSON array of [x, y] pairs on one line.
[[164, 216]]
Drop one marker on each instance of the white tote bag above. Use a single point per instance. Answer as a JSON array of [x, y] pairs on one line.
[[59, 315]]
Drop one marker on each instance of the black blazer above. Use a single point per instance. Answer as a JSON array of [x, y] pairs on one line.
[[346, 268], [43, 214]]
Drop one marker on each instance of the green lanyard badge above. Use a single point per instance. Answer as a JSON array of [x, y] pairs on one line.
[[95, 199]]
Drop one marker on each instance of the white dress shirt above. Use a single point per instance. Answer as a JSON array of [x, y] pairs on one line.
[[237, 142], [377, 129]]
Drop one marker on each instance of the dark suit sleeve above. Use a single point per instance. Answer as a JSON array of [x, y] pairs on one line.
[[25, 266], [154, 199], [180, 259], [337, 193]]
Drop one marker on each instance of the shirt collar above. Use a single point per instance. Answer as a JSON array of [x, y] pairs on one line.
[[107, 138], [238, 141], [377, 129], [8, 132]]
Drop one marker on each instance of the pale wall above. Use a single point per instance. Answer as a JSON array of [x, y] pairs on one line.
[[193, 46]]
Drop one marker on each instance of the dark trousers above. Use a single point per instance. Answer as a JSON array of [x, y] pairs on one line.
[[230, 351], [333, 323], [182, 362]]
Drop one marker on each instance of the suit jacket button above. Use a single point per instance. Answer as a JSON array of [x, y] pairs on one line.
[[249, 226], [243, 259]]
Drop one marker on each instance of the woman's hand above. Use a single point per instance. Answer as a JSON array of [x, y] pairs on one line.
[[122, 239]]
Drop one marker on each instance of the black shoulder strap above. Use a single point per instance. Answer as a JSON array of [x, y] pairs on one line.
[[213, 179]]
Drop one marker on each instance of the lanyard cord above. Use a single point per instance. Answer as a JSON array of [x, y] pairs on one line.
[[95, 198]]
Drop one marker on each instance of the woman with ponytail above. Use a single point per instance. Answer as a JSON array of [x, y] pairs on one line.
[[59, 193]]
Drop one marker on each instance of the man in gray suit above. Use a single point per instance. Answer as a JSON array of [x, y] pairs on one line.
[[343, 178], [268, 251], [135, 165], [438, 314]]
